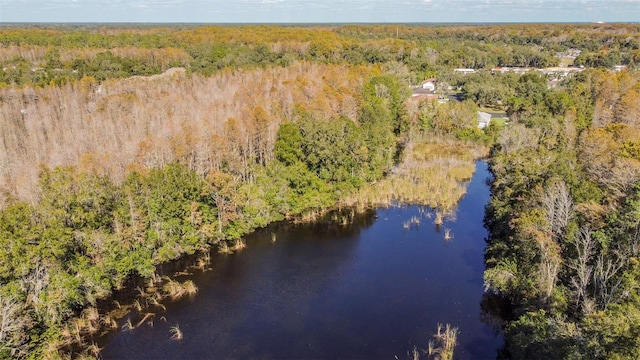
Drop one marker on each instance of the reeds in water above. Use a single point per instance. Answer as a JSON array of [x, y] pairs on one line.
[[225, 248], [176, 333], [155, 301], [175, 290], [432, 174], [447, 234], [414, 221], [439, 220], [127, 325], [238, 244], [94, 350], [445, 342], [204, 260], [137, 305]]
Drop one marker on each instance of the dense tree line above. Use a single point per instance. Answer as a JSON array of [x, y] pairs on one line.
[[563, 218], [58, 54]]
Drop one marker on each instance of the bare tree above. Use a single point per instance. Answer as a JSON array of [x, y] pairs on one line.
[[608, 283], [33, 284], [585, 248], [558, 206], [518, 138], [12, 326], [549, 264]]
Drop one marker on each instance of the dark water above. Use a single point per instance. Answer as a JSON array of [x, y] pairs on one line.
[[371, 290]]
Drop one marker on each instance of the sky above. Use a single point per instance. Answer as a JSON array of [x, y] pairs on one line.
[[319, 11]]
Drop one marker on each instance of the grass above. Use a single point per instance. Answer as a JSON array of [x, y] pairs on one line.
[[432, 173], [225, 248], [439, 220], [445, 343], [176, 333], [499, 121], [127, 325], [204, 261], [175, 290], [442, 348]]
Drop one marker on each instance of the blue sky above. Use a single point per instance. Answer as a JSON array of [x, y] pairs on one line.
[[319, 11]]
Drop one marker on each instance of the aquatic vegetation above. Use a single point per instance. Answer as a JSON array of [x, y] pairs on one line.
[[109, 322], [224, 248], [238, 244], [93, 350], [439, 220], [155, 301], [128, 325], [137, 305], [175, 290], [432, 173], [189, 287], [204, 260], [414, 221], [440, 349], [176, 333], [445, 342]]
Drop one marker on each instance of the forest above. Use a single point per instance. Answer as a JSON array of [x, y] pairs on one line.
[[125, 147]]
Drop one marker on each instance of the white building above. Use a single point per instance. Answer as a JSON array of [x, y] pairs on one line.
[[465, 71], [483, 119]]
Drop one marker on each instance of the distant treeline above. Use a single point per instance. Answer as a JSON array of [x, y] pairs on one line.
[[41, 55]]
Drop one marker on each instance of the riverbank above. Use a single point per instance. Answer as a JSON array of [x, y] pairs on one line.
[[366, 289], [433, 174]]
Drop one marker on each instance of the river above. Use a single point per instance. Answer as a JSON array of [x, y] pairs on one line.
[[371, 290]]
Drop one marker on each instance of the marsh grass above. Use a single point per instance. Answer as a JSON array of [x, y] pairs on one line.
[[432, 173], [447, 234], [176, 333], [439, 220], [155, 301], [204, 261], [175, 290], [127, 325], [94, 350], [225, 248], [238, 244], [137, 305], [189, 287], [109, 322], [445, 342]]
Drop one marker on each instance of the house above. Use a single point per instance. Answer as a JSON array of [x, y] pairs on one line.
[[426, 88], [483, 119], [429, 84], [465, 71]]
